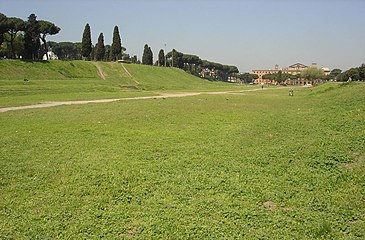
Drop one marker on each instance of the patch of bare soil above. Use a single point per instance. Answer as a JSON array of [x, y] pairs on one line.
[[269, 205], [100, 72], [358, 160]]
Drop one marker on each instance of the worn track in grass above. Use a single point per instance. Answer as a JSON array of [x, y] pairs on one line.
[[164, 95]]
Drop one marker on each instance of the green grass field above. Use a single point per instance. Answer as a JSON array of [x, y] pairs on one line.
[[255, 165], [80, 80]]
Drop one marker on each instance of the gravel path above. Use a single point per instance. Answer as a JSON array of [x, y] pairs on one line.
[[166, 95]]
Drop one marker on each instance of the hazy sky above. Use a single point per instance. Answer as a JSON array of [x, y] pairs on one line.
[[250, 34]]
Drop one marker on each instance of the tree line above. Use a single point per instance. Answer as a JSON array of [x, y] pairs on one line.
[[312, 74], [102, 52], [190, 63], [27, 40], [22, 39], [353, 74], [193, 64]]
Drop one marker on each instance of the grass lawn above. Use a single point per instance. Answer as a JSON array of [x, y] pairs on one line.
[[25, 83], [256, 165]]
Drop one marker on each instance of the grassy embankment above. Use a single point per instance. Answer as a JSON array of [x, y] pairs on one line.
[[259, 165], [80, 80]]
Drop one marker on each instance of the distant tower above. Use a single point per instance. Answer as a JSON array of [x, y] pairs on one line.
[[276, 67], [314, 65]]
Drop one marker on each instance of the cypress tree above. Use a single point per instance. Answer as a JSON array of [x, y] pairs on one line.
[[107, 55], [92, 54], [145, 55], [100, 48], [116, 49], [150, 56], [86, 46], [161, 58]]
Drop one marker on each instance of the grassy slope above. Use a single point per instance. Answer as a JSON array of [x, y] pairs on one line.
[[157, 78], [79, 80], [260, 165], [60, 80], [46, 70]]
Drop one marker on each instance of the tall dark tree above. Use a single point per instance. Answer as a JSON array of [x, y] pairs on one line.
[[47, 28], [107, 54], [161, 58], [15, 25], [32, 41], [147, 57], [3, 27], [145, 54], [116, 49], [86, 45], [18, 45], [100, 48], [150, 54]]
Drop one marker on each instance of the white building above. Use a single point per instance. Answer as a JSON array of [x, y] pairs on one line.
[[51, 56]]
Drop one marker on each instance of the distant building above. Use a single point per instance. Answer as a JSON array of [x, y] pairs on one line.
[[234, 79], [51, 56], [208, 73], [294, 69], [326, 71]]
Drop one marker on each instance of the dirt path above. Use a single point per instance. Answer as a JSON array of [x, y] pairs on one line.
[[125, 69], [129, 74], [100, 71], [163, 96]]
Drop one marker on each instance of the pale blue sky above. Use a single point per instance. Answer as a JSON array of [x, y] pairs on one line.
[[248, 34]]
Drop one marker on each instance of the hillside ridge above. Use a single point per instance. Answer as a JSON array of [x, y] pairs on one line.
[[148, 77], [32, 82]]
